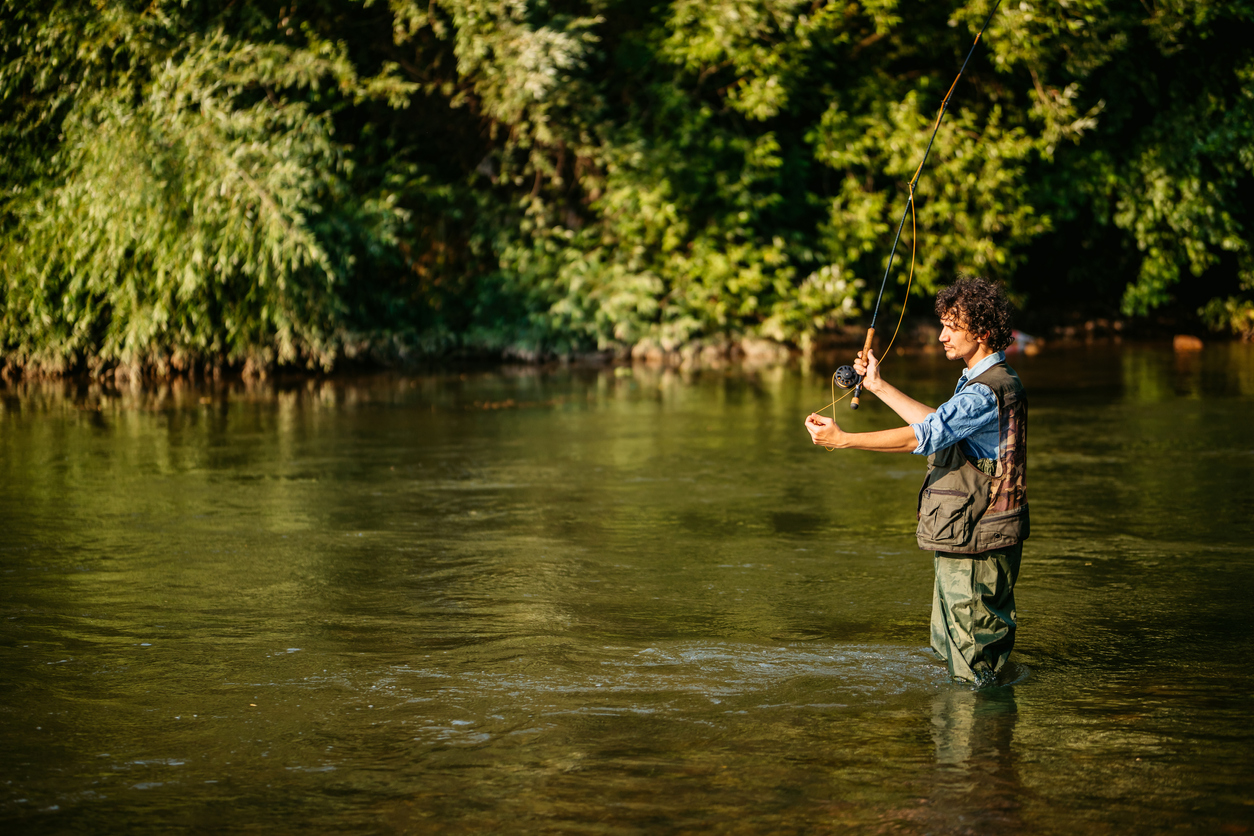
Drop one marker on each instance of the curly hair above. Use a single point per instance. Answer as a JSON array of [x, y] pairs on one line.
[[978, 305]]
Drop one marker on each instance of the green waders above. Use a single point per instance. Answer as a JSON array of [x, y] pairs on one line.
[[973, 611]]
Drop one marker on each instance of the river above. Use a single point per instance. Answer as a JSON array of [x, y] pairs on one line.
[[580, 600]]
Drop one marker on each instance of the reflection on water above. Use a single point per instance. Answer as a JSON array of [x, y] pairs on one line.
[[977, 782], [568, 600]]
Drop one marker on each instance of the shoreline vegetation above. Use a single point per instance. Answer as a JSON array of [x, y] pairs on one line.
[[272, 187], [746, 355], [917, 335]]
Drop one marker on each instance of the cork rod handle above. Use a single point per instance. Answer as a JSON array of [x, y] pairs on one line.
[[863, 354]]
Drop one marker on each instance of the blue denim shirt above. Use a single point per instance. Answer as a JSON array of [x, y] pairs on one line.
[[968, 418]]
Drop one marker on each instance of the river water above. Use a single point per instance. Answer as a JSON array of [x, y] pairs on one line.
[[581, 601]]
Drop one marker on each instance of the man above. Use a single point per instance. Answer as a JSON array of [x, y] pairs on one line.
[[973, 508]]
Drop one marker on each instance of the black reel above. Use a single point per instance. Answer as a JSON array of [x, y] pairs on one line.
[[847, 378]]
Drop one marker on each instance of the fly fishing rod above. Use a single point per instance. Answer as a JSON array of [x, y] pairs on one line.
[[846, 376]]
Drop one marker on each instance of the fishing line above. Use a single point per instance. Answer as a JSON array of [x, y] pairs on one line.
[[914, 236], [845, 376]]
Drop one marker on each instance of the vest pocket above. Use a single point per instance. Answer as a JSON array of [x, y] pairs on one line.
[[946, 516]]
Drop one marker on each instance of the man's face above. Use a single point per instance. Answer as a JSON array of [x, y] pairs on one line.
[[959, 343]]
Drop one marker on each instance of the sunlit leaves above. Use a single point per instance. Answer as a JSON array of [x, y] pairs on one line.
[[175, 221], [1231, 314]]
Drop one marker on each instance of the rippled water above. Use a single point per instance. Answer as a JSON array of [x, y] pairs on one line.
[[577, 601]]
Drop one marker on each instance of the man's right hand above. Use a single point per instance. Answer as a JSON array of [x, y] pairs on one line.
[[910, 410], [869, 368]]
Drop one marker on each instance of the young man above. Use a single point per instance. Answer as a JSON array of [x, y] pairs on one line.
[[973, 508]]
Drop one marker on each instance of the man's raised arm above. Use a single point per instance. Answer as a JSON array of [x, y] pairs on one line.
[[910, 410]]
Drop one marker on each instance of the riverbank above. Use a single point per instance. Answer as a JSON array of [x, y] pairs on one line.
[[918, 334]]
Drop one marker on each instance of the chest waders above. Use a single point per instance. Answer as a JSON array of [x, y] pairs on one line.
[[974, 515]]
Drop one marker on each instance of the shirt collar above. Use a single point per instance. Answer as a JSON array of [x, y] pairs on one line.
[[982, 366]]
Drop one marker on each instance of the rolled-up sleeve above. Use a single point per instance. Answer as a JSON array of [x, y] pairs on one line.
[[957, 419]]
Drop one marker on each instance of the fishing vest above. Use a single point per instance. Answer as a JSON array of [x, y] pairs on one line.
[[971, 506]]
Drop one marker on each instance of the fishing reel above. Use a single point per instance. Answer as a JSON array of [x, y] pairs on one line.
[[847, 378]]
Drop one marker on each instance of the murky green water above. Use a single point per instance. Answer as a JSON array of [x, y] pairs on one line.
[[569, 601]]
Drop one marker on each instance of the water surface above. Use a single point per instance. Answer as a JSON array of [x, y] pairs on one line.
[[570, 600]]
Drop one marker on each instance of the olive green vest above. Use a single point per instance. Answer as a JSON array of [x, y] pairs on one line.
[[969, 506]]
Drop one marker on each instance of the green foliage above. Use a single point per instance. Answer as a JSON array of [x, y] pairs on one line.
[[182, 213], [186, 183], [1232, 314], [1165, 157]]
